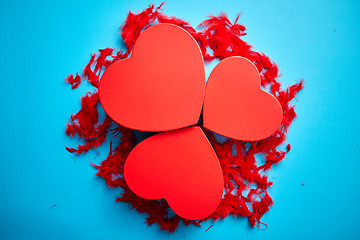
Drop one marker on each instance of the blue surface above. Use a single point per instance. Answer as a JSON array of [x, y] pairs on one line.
[[42, 42]]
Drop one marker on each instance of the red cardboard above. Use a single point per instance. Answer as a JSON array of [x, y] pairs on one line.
[[235, 105], [161, 86], [180, 166]]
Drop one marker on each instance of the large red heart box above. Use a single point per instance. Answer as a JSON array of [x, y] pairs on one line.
[[161, 86], [235, 105], [180, 166]]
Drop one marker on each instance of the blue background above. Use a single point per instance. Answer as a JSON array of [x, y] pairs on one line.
[[41, 42]]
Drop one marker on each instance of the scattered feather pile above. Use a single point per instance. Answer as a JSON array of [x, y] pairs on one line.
[[246, 181]]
